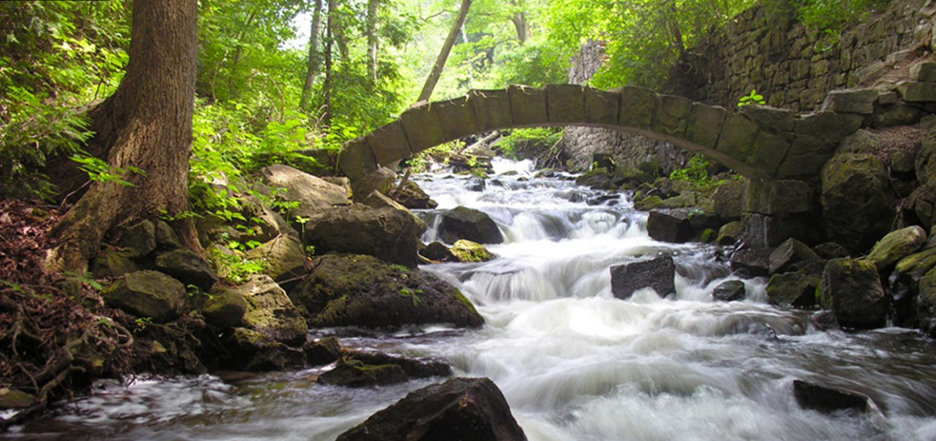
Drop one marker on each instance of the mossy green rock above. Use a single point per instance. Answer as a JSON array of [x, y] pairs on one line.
[[353, 373], [468, 251], [730, 233], [927, 305], [926, 159], [271, 312], [359, 290], [917, 265], [139, 239], [896, 245], [386, 233], [225, 308], [284, 257], [796, 290], [15, 399], [858, 298], [112, 263], [858, 203], [147, 294], [597, 178], [255, 351]]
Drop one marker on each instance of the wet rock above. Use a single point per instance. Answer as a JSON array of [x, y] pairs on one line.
[[382, 181], [386, 233], [312, 193], [916, 265], [927, 303], [856, 294], [658, 273], [468, 251], [790, 255], [752, 262], [472, 408], [324, 351], [138, 240], [598, 178], [271, 312], [670, 226], [225, 308], [112, 263], [475, 183], [470, 224], [412, 367], [828, 400], [147, 294], [285, 259], [188, 267], [357, 290], [256, 352], [857, 200], [730, 291], [413, 197], [15, 399], [895, 246], [353, 373], [438, 252], [797, 290], [730, 233], [729, 200], [830, 250]]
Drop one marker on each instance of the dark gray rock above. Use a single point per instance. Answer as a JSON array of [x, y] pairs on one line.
[[472, 408], [657, 273], [188, 267], [830, 250], [225, 308], [828, 400], [730, 233], [858, 203], [112, 263], [475, 183], [789, 255], [856, 294], [730, 291], [412, 367], [413, 197], [438, 251], [256, 352], [926, 309], [323, 351], [752, 262], [382, 181], [670, 226], [353, 373], [138, 240], [470, 224], [166, 237], [797, 290], [386, 233]]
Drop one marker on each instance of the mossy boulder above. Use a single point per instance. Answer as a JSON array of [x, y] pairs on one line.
[[15, 399], [284, 256], [790, 256], [225, 308], [322, 351], [353, 373], [271, 312], [188, 267], [412, 367], [730, 233], [895, 246], [922, 204], [413, 197], [312, 194], [598, 178], [359, 290], [166, 237], [138, 240], [926, 159], [858, 297], [389, 234], [470, 224], [468, 251], [112, 263], [858, 203], [147, 294], [797, 290], [916, 265], [255, 351]]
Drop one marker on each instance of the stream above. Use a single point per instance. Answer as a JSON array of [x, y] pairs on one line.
[[573, 362]]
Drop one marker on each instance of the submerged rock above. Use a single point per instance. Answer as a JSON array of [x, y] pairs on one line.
[[147, 294], [464, 409], [470, 224], [658, 273], [358, 290], [856, 294], [827, 400], [323, 351], [730, 291], [353, 373]]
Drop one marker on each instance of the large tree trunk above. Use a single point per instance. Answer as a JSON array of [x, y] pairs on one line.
[[313, 57], [146, 123], [444, 53], [329, 34]]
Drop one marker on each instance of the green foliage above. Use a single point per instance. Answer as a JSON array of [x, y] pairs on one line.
[[413, 295], [830, 17], [232, 264], [695, 172], [100, 171], [752, 98], [539, 138]]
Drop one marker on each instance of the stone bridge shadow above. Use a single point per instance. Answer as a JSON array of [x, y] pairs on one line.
[[761, 143]]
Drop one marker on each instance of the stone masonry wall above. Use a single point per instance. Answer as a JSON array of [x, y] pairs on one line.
[[792, 67], [629, 151]]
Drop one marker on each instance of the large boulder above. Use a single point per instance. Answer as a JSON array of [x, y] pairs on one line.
[[751, 262], [188, 267], [386, 233], [790, 255], [856, 293], [147, 294], [138, 240], [922, 204], [312, 194], [797, 290], [896, 245], [358, 290], [255, 351], [468, 223], [916, 265], [926, 159], [670, 225], [269, 310], [413, 197], [858, 203], [729, 200], [658, 273], [381, 180], [225, 308], [112, 263], [465, 409], [284, 256]]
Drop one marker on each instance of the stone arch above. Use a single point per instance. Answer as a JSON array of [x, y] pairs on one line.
[[758, 142]]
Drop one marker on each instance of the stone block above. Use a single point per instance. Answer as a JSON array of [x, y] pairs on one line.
[[491, 109], [805, 158], [565, 103], [422, 129], [770, 118], [456, 117], [924, 72], [601, 107], [671, 115], [916, 92], [356, 159], [389, 143], [828, 126], [768, 152], [637, 107], [860, 101], [899, 115], [737, 137], [705, 125], [778, 197], [527, 105]]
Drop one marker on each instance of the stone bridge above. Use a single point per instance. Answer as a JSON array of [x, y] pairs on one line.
[[758, 142]]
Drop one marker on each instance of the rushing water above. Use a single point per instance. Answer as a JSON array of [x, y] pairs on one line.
[[574, 362]]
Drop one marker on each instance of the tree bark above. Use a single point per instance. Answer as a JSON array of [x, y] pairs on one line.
[[329, 29], [313, 57], [439, 65], [146, 123], [373, 7]]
